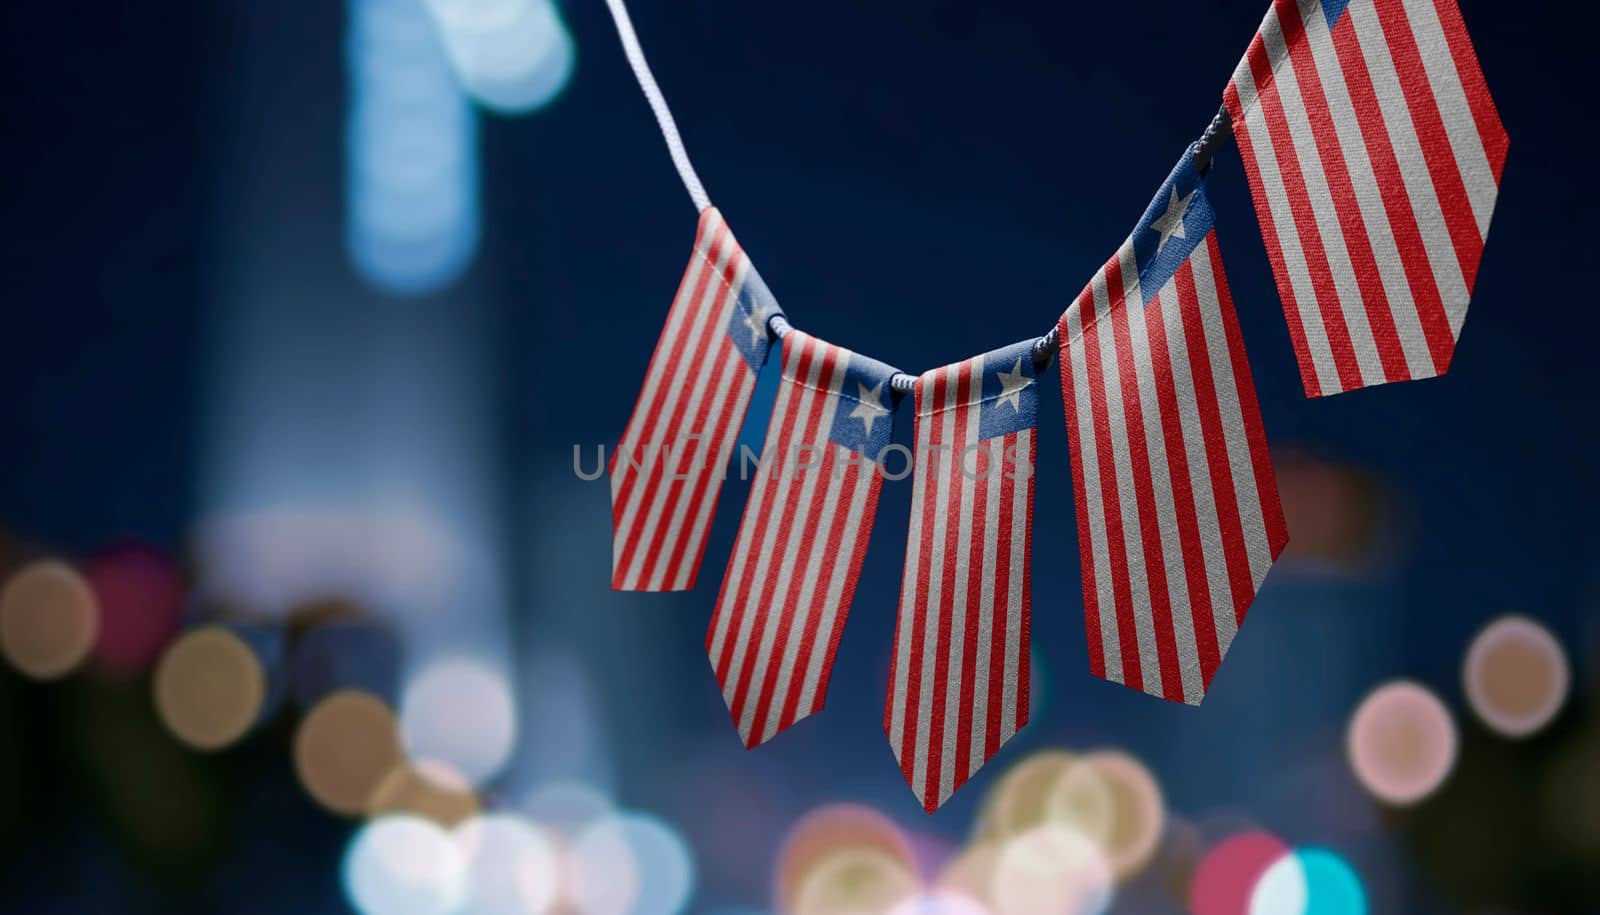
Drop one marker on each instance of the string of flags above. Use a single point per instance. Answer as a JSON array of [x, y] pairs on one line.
[[1374, 153]]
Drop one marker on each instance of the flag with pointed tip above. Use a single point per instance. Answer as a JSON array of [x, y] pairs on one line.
[[1374, 154], [958, 678], [795, 562], [1178, 512]]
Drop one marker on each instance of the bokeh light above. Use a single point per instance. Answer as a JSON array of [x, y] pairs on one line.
[[210, 688], [1516, 676], [566, 806], [460, 712], [1227, 876], [1309, 881], [1401, 743], [140, 593], [512, 868], [401, 865], [1051, 870], [940, 902], [1021, 799], [855, 880], [412, 152], [427, 788], [48, 619], [631, 864], [825, 830], [512, 56], [1081, 799], [1131, 796], [971, 872], [344, 748]]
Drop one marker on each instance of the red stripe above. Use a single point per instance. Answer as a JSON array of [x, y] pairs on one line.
[[1155, 564], [1023, 637], [1080, 501], [1110, 496], [1305, 220], [1194, 554], [1255, 433], [768, 611], [1396, 201], [1491, 131], [1001, 604], [1234, 552], [806, 524], [951, 500], [1380, 317], [853, 576], [977, 601], [1269, 237], [1431, 135], [779, 434]]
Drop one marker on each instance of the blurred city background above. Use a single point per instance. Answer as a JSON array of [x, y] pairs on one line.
[[305, 609]]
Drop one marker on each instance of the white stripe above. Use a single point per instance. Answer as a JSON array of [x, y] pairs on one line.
[[1094, 504], [739, 563], [857, 525], [988, 609], [668, 397], [753, 606], [935, 575], [1459, 124], [683, 463], [1213, 554], [1364, 182], [796, 529], [1251, 517], [1122, 461], [1283, 226], [1413, 165], [1021, 509], [966, 422], [1166, 508], [1350, 302]]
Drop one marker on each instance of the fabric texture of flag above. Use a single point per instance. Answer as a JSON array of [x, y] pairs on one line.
[[1374, 154], [669, 467], [791, 578], [958, 678], [1178, 511]]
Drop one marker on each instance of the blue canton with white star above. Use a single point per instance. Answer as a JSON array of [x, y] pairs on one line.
[[1176, 222], [747, 326], [1010, 394], [864, 417]]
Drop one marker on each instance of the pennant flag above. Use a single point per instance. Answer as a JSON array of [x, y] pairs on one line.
[[668, 469], [958, 679], [1374, 154], [1178, 512], [794, 567]]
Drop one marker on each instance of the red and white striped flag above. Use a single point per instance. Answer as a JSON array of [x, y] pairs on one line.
[[958, 679], [1178, 512], [1374, 153], [793, 572], [669, 467]]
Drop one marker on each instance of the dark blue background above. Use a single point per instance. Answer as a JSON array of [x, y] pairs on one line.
[[916, 181]]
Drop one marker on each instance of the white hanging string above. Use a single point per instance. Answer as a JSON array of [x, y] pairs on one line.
[[1216, 133], [658, 104]]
